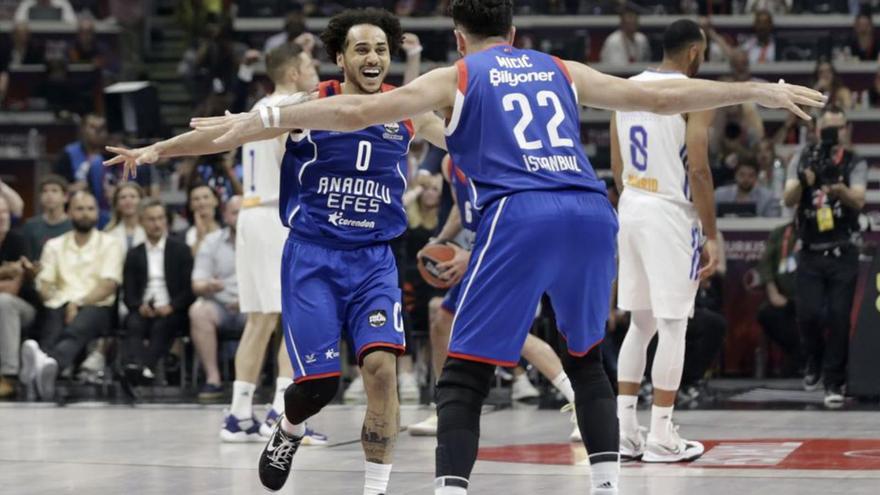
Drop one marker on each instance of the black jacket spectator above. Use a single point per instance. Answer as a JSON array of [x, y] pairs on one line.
[[178, 272]]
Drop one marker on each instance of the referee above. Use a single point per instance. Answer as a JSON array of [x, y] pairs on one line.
[[827, 181]]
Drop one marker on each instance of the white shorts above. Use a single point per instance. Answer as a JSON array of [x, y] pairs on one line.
[[659, 251], [259, 242]]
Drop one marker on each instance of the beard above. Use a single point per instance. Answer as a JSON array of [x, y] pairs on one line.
[[83, 226]]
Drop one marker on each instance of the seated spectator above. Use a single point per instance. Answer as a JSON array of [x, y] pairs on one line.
[[157, 290], [862, 42], [216, 309], [220, 172], [125, 223], [45, 10], [769, 165], [53, 220], [828, 81], [772, 6], [202, 206], [26, 50], [746, 191], [87, 49], [777, 315], [82, 164], [626, 45], [738, 129], [15, 312], [81, 271], [13, 200], [761, 46]]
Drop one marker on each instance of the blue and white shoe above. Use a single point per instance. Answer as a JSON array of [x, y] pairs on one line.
[[311, 438], [240, 430]]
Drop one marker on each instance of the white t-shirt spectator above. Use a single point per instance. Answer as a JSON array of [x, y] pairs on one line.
[[759, 54], [620, 50], [22, 14]]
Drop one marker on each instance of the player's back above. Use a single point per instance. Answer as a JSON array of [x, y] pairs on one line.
[[261, 160], [654, 151], [515, 125]]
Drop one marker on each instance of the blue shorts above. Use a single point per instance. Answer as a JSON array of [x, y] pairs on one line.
[[558, 242], [450, 300], [330, 293]]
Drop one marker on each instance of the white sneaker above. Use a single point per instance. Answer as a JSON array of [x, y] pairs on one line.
[[673, 449], [523, 388], [94, 362], [576, 433], [632, 445], [355, 393], [426, 428], [408, 387], [607, 488], [29, 352], [47, 373]]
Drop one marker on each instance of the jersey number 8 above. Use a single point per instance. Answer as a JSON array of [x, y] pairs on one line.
[[545, 98], [638, 147]]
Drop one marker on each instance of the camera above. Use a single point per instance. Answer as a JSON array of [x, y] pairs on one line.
[[820, 159]]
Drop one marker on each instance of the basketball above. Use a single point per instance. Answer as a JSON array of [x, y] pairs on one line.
[[429, 258]]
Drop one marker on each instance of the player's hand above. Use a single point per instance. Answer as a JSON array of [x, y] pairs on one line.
[[789, 97], [411, 44], [131, 158], [454, 269], [709, 259], [236, 128]]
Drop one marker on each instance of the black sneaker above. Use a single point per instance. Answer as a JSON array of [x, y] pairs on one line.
[[812, 377], [277, 458]]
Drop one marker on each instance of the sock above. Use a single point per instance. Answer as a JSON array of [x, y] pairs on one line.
[[626, 412], [281, 384], [563, 384], [660, 419], [242, 399], [605, 474], [292, 429], [376, 478], [450, 485]]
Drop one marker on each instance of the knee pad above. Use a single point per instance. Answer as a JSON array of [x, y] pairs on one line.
[[303, 400], [464, 383], [587, 375]]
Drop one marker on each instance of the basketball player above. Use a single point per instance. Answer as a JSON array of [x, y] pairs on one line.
[[661, 166], [462, 224], [341, 196], [260, 241], [547, 226]]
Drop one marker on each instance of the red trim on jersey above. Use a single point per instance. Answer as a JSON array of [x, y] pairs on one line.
[[458, 172], [408, 123], [316, 377], [399, 349], [478, 359], [329, 88], [462, 76], [564, 68], [582, 354]]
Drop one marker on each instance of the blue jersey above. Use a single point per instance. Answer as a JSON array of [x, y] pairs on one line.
[[515, 125], [470, 217], [345, 190]]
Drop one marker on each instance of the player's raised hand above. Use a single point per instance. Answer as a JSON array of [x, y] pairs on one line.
[[709, 259], [790, 97], [131, 158], [236, 128]]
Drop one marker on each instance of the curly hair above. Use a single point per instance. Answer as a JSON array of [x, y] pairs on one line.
[[485, 18], [336, 34]]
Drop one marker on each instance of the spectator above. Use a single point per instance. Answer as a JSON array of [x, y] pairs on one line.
[[220, 172], [26, 50], [211, 65], [747, 191], [828, 81], [772, 6], [777, 315], [626, 45], [874, 91], [761, 47], [13, 200], [202, 209], [862, 43], [87, 49], [157, 290], [53, 221], [216, 309], [125, 224], [769, 164], [740, 67], [294, 30], [45, 10], [78, 295], [738, 129], [129, 14], [15, 312]]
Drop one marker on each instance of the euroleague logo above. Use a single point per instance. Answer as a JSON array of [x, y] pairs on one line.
[[392, 131], [377, 318]]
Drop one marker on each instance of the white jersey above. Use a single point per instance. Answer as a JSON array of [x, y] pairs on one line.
[[261, 160], [654, 151]]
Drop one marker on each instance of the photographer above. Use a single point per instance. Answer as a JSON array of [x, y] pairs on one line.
[[826, 181]]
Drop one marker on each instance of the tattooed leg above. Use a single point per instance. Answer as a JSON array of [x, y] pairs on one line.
[[382, 421]]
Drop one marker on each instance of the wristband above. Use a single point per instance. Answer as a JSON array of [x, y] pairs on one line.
[[270, 116], [264, 117]]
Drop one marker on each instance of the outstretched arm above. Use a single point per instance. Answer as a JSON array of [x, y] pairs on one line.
[[432, 91], [675, 96]]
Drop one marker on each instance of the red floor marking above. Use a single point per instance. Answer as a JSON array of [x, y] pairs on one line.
[[787, 453]]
